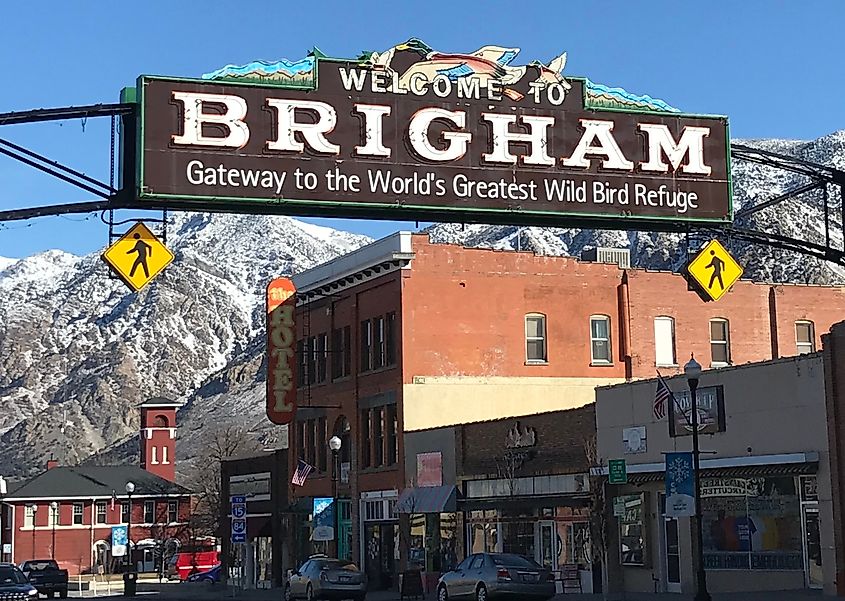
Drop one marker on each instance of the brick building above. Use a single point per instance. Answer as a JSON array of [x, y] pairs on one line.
[[404, 335], [91, 500]]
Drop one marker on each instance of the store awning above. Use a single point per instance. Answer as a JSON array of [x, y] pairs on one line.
[[427, 499]]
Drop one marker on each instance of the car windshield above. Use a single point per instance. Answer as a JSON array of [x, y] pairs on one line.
[[336, 564], [514, 561], [10, 575], [40, 565]]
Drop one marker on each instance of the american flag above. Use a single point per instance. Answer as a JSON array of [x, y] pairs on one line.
[[661, 396], [301, 473]]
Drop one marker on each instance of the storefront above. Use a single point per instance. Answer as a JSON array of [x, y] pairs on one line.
[[380, 538]]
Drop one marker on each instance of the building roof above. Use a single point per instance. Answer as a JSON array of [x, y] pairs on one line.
[[160, 401], [91, 482]]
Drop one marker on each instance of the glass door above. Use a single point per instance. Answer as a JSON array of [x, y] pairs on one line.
[[672, 555], [812, 547], [547, 545]]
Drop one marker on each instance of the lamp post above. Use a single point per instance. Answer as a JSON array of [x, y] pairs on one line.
[[334, 444], [34, 508], [54, 517], [130, 488], [692, 370], [2, 516]]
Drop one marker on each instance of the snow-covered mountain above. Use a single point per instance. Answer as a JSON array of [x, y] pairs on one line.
[[78, 352]]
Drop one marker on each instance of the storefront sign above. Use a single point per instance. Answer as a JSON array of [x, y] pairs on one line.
[[324, 522], [711, 412], [413, 132], [634, 440], [429, 469], [680, 485], [281, 359], [731, 487]]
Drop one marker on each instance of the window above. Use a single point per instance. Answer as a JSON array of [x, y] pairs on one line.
[[378, 436], [631, 530], [300, 439], [78, 512], [311, 359], [172, 512], [392, 440], [535, 338], [600, 338], [302, 372], [29, 516], [343, 430], [311, 442], [720, 344], [322, 444], [390, 339], [54, 514], [341, 353], [664, 341], [379, 350], [124, 513], [366, 345], [805, 337], [149, 512], [366, 459], [101, 512], [322, 352]]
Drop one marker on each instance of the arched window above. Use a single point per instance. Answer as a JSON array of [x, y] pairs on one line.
[[161, 421], [720, 342], [664, 342], [805, 337], [535, 338], [600, 339]]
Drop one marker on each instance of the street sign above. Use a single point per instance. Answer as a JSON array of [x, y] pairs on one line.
[[617, 471], [138, 256], [238, 513], [715, 270], [119, 540]]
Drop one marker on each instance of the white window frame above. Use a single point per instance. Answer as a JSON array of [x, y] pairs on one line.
[[78, 514], [105, 512], [172, 512], [726, 342], [153, 512], [125, 512], [810, 346], [54, 514], [544, 337], [601, 360], [665, 361], [29, 516]]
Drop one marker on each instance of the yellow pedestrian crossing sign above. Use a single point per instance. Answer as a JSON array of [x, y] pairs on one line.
[[138, 256], [715, 270]]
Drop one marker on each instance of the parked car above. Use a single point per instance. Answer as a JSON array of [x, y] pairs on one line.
[[212, 575], [326, 578], [14, 586], [46, 577], [486, 576]]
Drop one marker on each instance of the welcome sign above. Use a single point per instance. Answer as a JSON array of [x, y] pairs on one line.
[[413, 133]]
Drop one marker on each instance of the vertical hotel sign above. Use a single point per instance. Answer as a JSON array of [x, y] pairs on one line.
[[281, 361]]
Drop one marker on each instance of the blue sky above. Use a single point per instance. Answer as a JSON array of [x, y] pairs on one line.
[[759, 62]]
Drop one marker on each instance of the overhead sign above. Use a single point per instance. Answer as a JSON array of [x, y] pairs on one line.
[[281, 359], [680, 485], [138, 256], [617, 471], [324, 522], [238, 519], [715, 270], [711, 411], [413, 133], [119, 540]]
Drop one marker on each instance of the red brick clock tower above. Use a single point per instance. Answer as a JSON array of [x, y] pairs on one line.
[[158, 437]]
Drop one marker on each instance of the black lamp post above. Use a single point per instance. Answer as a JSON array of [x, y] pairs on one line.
[[130, 488], [692, 370], [54, 517], [34, 508], [334, 444]]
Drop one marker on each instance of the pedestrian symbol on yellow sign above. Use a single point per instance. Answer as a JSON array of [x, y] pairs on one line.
[[138, 256], [715, 270]]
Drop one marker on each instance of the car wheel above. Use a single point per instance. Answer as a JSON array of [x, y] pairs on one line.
[[442, 593], [288, 595], [309, 593], [481, 593]]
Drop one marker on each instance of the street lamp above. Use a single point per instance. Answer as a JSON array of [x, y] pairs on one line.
[[334, 445], [130, 488], [692, 370], [34, 508], [54, 517]]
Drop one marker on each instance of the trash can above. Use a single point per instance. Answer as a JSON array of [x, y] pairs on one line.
[[130, 584]]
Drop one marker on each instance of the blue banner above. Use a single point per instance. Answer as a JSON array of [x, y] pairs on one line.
[[323, 519], [680, 485], [119, 539]]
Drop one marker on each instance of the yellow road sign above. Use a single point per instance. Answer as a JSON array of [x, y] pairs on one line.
[[138, 256], [715, 270]]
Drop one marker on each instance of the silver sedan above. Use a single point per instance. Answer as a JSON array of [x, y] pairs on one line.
[[493, 575], [325, 578]]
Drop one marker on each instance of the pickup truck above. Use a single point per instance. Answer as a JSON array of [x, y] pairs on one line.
[[46, 577]]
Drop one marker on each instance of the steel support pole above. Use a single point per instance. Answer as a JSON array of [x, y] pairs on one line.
[[701, 593]]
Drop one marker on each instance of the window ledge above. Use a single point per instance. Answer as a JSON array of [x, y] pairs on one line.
[[601, 363], [718, 364], [536, 362], [377, 371], [666, 365]]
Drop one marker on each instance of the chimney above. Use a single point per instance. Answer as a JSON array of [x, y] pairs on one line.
[[51, 463]]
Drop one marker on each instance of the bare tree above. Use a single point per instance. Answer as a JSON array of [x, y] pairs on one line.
[[598, 507]]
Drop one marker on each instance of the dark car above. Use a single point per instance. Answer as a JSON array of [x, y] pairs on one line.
[[14, 586], [495, 575], [46, 576], [212, 575], [326, 578]]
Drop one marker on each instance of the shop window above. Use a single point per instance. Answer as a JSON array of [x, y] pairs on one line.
[[341, 353], [632, 530], [378, 437], [720, 343], [391, 423], [535, 338], [805, 337], [366, 345], [149, 512], [322, 357], [322, 444], [78, 512], [172, 512], [101, 512], [366, 459], [664, 342], [600, 339], [124, 513]]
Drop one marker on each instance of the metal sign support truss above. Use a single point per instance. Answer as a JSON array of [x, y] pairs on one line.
[[819, 178]]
